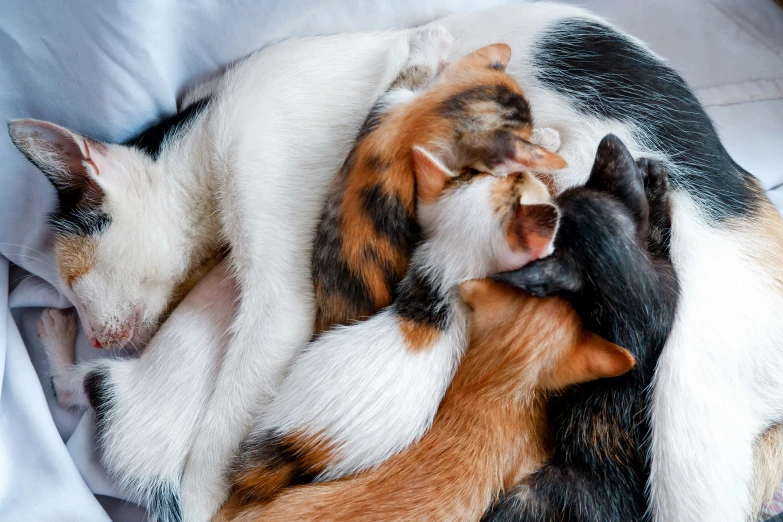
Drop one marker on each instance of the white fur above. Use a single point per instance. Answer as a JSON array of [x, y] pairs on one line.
[[360, 388], [719, 382], [363, 390]]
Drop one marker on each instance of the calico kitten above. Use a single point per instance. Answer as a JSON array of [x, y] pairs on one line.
[[359, 394], [491, 427], [599, 467], [472, 115]]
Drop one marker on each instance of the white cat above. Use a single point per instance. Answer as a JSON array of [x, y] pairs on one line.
[[283, 115]]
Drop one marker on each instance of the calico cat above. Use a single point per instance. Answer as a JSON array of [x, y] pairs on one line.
[[359, 394], [472, 115], [490, 429], [600, 466]]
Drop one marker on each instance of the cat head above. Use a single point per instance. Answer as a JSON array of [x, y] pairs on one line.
[[605, 233], [540, 341], [113, 231], [484, 223], [491, 118]]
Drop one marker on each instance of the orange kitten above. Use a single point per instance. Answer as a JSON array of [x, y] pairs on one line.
[[491, 427]]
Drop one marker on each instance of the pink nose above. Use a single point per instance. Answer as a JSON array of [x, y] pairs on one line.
[[96, 343]]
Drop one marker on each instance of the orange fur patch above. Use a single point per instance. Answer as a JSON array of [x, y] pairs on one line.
[[418, 336], [75, 256]]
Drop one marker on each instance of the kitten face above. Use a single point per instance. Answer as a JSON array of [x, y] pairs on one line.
[[490, 223], [112, 231]]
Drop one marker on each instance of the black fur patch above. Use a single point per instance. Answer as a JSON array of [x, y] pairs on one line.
[[374, 118], [98, 389], [72, 218], [164, 504], [269, 451], [329, 268], [418, 300], [516, 109], [605, 74], [627, 295], [390, 218], [377, 163], [152, 140], [54, 389]]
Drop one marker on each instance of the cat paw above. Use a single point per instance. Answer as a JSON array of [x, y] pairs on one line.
[[430, 47], [547, 138], [58, 331], [656, 178]]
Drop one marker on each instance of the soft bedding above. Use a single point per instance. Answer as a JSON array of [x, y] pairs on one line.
[[108, 69]]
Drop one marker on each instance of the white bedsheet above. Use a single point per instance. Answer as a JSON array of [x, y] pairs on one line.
[[109, 68]]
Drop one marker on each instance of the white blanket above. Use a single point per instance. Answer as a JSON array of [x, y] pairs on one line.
[[108, 69]]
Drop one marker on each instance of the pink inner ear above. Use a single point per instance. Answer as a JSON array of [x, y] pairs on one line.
[[34, 136], [431, 174], [531, 235]]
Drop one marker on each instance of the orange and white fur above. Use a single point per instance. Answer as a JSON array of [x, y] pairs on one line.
[[280, 125], [491, 428], [360, 394]]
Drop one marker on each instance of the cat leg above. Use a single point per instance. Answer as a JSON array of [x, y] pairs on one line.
[[428, 50], [271, 254], [57, 330]]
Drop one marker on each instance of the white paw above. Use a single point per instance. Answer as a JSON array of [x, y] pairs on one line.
[[430, 46], [58, 330], [546, 138]]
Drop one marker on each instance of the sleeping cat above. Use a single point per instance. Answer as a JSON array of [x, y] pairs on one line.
[[491, 428], [137, 473], [135, 220], [600, 465], [359, 394], [582, 76], [472, 115]]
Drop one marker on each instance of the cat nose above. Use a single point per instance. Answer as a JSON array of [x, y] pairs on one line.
[[114, 337]]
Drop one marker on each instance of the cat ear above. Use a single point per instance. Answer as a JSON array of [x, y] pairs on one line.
[[527, 156], [593, 358], [544, 277], [495, 56], [615, 171], [431, 175], [531, 232], [70, 161]]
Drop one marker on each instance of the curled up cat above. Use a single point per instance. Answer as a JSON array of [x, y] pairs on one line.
[[492, 428], [472, 118], [148, 470]]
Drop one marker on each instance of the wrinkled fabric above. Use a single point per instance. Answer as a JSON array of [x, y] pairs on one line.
[[108, 69]]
